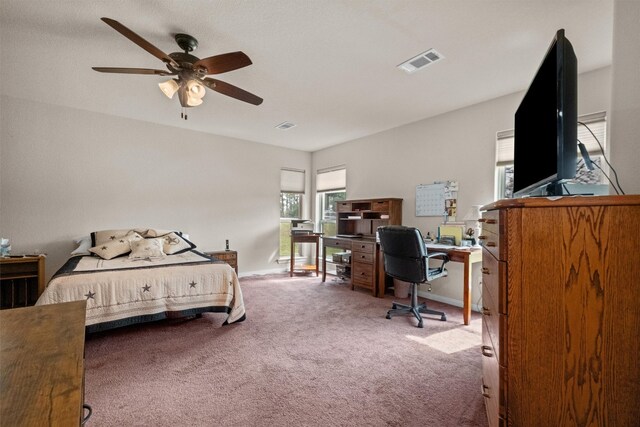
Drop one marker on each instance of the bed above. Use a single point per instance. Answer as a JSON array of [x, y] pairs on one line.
[[161, 275]]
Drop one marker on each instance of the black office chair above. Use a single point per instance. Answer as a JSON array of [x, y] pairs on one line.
[[406, 259]]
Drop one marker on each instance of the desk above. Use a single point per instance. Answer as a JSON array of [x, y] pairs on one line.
[[303, 238], [42, 366], [468, 257]]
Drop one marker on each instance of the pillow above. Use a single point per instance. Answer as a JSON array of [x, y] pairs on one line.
[[176, 244], [115, 247], [104, 236], [84, 244], [147, 249]]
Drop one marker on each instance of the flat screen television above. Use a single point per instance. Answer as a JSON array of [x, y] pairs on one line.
[[546, 125]]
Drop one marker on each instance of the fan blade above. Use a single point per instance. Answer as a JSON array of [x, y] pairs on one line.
[[133, 71], [231, 90], [222, 63], [140, 42]]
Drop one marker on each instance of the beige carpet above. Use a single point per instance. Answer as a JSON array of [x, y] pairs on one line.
[[309, 354]]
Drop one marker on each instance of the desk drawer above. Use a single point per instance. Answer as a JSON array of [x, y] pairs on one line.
[[336, 243], [362, 273], [363, 247], [363, 257], [344, 206], [380, 206]]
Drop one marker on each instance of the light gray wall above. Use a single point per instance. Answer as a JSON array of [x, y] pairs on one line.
[[459, 146], [625, 98], [66, 172]]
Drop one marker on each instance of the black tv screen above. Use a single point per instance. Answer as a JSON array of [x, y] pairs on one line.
[[546, 122]]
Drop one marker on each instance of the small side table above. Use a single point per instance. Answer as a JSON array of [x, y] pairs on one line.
[[21, 280], [230, 257], [303, 238]]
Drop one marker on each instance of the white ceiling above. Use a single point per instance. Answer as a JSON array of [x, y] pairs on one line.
[[327, 65]]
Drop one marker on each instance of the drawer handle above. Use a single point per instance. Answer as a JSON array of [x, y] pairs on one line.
[[482, 220], [362, 256], [485, 270], [491, 244], [491, 221], [486, 311], [363, 273], [486, 351], [482, 237], [484, 393]]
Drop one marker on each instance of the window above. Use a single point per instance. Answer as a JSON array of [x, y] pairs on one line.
[[504, 158], [331, 186], [292, 183]]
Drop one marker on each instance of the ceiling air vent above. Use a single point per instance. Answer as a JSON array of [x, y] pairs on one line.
[[285, 125], [418, 62]]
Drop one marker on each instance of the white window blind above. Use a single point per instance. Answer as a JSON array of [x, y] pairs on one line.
[[597, 122], [331, 179], [292, 180]]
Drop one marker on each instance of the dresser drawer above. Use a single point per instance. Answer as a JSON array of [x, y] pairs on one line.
[[492, 234], [362, 273], [363, 247], [494, 280], [336, 243], [490, 379], [364, 257]]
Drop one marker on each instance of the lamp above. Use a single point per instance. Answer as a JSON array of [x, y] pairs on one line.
[[195, 93], [169, 88], [471, 223]]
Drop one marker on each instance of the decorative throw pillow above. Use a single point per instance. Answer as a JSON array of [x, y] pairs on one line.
[[104, 236], [147, 249], [176, 244], [115, 247]]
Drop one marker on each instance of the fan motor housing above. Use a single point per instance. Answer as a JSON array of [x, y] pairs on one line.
[[186, 42]]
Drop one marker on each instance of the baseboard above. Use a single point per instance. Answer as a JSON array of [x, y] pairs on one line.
[[450, 301], [263, 272]]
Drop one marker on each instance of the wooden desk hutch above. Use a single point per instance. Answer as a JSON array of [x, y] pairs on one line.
[[561, 311], [357, 222]]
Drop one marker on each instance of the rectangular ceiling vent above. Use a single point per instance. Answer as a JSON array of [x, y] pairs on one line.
[[418, 62], [285, 125]]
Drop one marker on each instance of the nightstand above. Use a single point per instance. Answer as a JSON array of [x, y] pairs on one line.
[[21, 280], [230, 257]]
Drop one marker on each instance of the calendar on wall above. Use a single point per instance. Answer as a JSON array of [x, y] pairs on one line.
[[437, 199]]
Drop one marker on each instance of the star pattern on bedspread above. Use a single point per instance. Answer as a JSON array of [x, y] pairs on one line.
[[193, 284], [90, 295], [146, 288], [112, 237]]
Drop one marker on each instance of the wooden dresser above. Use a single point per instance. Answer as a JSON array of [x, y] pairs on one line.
[[561, 311], [42, 365]]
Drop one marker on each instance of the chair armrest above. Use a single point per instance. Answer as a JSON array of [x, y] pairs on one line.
[[438, 255]]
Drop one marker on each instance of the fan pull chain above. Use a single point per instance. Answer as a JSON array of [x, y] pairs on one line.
[[183, 114]]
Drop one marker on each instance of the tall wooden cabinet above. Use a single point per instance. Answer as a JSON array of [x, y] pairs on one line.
[[561, 311]]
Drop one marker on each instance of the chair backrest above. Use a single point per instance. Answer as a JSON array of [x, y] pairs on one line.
[[404, 253]]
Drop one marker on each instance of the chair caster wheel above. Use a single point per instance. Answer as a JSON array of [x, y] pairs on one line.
[[420, 325], [393, 306], [388, 316], [443, 318]]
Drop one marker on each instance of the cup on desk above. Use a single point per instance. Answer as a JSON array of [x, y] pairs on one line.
[[466, 243]]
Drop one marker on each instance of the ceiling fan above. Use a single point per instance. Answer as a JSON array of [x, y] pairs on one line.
[[190, 71]]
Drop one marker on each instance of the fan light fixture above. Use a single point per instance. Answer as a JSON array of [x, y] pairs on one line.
[[191, 72]]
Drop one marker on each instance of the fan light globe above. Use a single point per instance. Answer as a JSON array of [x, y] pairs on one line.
[[169, 88], [195, 93]]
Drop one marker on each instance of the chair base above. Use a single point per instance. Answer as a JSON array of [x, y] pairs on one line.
[[415, 308]]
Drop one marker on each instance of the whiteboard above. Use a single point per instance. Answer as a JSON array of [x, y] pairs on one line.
[[430, 199]]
